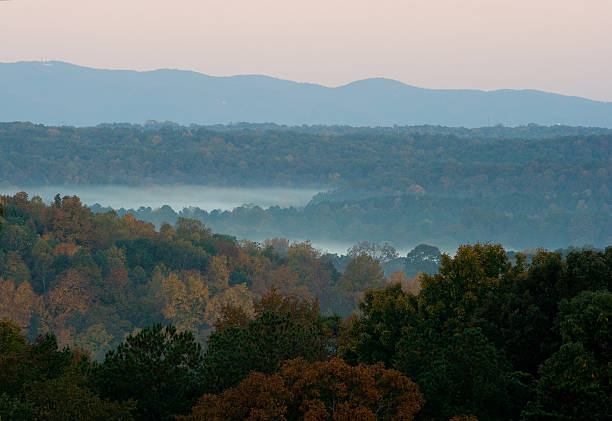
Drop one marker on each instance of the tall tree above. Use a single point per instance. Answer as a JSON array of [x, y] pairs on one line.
[[576, 381], [18, 303], [385, 314], [461, 373], [282, 328], [157, 368], [361, 273]]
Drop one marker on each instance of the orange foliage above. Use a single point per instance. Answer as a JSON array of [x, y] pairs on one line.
[[464, 418], [138, 228], [65, 248], [232, 316], [218, 272], [18, 303], [258, 397], [118, 282], [315, 391], [73, 294], [282, 277], [72, 222], [236, 296]]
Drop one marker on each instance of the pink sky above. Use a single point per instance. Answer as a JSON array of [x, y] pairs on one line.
[[555, 45]]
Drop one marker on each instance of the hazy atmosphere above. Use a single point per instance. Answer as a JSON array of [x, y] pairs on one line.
[[177, 197], [561, 46], [230, 210]]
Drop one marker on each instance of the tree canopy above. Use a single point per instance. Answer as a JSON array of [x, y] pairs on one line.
[[529, 186], [105, 317]]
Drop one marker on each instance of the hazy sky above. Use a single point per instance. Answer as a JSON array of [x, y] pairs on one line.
[[562, 46]]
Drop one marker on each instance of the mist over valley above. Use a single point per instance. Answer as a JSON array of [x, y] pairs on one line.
[[525, 187], [176, 196], [305, 211]]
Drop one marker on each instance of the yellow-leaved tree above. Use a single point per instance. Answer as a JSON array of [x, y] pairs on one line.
[[185, 299], [190, 304], [18, 303]]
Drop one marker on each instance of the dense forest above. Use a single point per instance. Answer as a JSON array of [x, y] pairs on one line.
[[94, 278], [104, 317], [517, 220], [524, 187], [443, 161]]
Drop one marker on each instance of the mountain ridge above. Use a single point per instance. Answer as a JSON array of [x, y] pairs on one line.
[[62, 93]]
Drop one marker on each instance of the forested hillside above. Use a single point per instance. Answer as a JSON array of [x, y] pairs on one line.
[[524, 187], [92, 304], [518, 221], [445, 161], [93, 278]]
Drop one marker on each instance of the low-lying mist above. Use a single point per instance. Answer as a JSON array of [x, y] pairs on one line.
[[178, 197], [330, 228], [341, 247]]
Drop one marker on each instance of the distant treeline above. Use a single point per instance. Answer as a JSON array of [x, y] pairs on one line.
[[530, 131], [530, 186], [519, 221], [440, 160], [103, 317]]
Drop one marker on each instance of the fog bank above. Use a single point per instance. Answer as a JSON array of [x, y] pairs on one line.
[[178, 197]]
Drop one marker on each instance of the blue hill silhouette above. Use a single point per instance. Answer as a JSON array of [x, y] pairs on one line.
[[66, 94]]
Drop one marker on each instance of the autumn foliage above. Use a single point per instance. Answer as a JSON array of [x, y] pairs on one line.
[[94, 278], [105, 317], [331, 390]]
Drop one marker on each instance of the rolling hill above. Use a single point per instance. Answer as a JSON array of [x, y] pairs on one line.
[[60, 93]]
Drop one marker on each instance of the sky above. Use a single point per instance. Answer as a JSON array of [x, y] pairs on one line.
[[562, 46]]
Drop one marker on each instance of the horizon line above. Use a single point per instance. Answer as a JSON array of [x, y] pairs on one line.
[[46, 61]]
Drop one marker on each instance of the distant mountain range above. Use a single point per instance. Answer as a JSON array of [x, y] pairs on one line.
[[60, 93]]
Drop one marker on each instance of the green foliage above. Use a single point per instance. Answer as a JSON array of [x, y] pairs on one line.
[[423, 253], [192, 230], [576, 381], [589, 270], [572, 386], [587, 319], [22, 363], [67, 398], [482, 319], [524, 313], [384, 315], [19, 239], [11, 339], [281, 329], [40, 381], [453, 296], [363, 272], [158, 369], [361, 156], [462, 373], [95, 278], [15, 409], [490, 334], [545, 186]]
